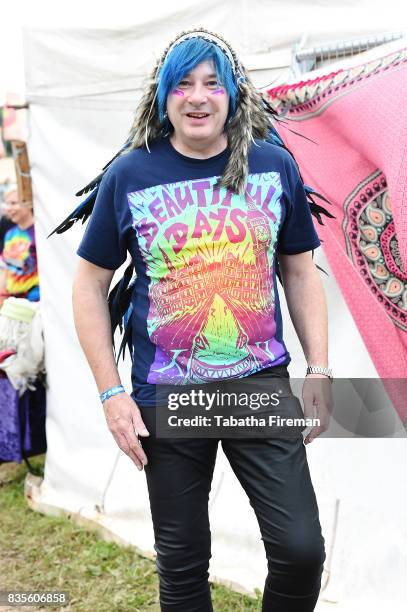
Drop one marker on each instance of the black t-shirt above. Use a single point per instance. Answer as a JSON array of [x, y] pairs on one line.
[[205, 304]]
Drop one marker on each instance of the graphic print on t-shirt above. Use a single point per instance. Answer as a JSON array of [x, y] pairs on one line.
[[210, 255]]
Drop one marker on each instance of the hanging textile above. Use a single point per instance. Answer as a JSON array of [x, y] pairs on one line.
[[357, 120]]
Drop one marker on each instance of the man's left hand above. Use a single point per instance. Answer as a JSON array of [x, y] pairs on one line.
[[318, 403]]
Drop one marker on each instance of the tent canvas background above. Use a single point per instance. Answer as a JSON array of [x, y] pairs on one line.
[[82, 86]]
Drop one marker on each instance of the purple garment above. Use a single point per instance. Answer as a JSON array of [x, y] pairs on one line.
[[22, 422]]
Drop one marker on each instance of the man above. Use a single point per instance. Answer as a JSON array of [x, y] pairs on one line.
[[205, 212], [19, 273]]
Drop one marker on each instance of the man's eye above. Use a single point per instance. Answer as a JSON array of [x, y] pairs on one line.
[[213, 83], [183, 83]]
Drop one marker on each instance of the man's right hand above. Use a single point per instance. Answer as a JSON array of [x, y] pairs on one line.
[[93, 326], [125, 423]]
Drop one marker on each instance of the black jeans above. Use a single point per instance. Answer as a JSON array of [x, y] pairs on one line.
[[274, 474]]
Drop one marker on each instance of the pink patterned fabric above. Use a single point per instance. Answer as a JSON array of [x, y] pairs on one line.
[[358, 118]]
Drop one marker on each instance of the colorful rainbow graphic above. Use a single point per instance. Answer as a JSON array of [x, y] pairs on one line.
[[210, 256]]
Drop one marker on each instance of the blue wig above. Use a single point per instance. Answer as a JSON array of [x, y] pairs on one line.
[[183, 59]]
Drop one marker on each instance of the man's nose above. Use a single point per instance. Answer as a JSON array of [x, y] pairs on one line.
[[197, 94]]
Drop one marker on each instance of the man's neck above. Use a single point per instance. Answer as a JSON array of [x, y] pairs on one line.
[[199, 150]]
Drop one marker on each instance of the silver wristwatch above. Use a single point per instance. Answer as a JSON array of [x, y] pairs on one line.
[[320, 370]]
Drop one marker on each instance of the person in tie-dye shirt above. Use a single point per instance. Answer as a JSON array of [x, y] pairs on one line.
[[19, 273]]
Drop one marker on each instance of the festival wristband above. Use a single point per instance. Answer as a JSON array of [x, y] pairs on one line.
[[111, 392]]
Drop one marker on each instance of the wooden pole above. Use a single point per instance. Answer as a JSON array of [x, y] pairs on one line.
[[23, 175]]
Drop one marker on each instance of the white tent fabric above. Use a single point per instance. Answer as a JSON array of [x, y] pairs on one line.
[[82, 86]]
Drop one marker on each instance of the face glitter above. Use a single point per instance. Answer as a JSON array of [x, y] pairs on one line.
[[177, 92], [218, 92]]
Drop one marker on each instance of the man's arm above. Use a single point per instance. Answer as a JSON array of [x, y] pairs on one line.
[[92, 323], [307, 305], [308, 311]]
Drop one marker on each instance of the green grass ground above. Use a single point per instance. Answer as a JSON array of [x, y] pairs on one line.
[[39, 552]]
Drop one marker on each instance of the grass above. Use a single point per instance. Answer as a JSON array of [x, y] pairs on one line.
[[39, 553]]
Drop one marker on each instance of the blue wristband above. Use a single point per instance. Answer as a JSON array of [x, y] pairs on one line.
[[110, 392]]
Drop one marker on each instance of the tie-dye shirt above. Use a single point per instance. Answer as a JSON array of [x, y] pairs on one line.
[[19, 259], [205, 301]]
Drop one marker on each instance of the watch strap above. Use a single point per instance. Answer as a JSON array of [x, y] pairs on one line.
[[311, 369]]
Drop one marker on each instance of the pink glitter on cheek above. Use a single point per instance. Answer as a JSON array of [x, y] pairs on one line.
[[177, 92], [217, 92]]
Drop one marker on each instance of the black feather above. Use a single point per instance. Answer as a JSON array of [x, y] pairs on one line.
[[321, 269], [84, 210], [81, 212], [94, 183], [126, 341], [311, 191], [119, 298]]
